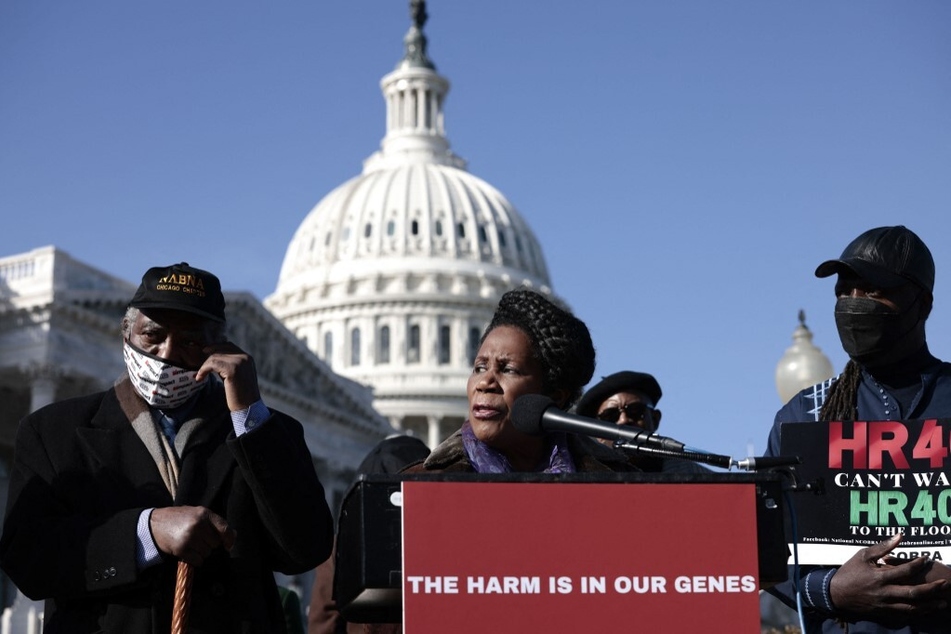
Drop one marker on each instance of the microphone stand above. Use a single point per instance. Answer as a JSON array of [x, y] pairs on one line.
[[717, 460], [686, 454]]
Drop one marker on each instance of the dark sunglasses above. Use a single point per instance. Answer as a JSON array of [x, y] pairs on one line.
[[634, 411]]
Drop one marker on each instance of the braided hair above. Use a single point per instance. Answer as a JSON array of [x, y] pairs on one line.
[[841, 404], [560, 341]]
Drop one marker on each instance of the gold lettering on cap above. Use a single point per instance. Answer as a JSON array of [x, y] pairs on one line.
[[182, 282]]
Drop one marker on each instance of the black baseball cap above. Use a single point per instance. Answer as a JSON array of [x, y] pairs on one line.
[[614, 383], [887, 257], [181, 287]]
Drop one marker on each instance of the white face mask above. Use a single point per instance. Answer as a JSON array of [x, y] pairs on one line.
[[160, 383]]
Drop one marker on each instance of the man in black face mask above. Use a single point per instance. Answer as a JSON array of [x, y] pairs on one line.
[[884, 295]]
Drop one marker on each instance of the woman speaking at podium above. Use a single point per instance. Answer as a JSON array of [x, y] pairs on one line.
[[531, 346]]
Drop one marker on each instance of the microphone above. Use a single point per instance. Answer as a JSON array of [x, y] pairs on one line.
[[766, 462], [535, 414]]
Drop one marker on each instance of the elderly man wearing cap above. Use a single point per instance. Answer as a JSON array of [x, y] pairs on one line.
[[630, 398], [179, 460], [883, 297]]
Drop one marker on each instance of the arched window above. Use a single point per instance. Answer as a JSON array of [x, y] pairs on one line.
[[473, 348], [355, 346], [413, 344], [444, 344], [384, 356]]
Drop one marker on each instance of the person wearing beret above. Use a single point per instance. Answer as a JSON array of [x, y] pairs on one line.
[[883, 298], [179, 461], [630, 398]]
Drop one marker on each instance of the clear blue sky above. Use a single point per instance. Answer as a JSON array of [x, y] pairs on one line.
[[685, 164]]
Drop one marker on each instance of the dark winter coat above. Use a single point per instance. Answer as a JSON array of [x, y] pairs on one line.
[[81, 477]]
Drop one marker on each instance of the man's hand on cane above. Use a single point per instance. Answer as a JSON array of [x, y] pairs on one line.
[[189, 533]]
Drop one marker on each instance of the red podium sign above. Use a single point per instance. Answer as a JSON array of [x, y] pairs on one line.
[[568, 557]]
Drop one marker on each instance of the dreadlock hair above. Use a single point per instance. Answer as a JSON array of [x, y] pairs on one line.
[[560, 341], [842, 402]]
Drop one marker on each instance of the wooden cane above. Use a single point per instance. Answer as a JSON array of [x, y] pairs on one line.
[[183, 595]]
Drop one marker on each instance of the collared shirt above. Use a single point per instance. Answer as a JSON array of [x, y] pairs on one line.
[[875, 403], [243, 421]]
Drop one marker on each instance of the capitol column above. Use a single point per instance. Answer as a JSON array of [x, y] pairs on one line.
[[434, 436]]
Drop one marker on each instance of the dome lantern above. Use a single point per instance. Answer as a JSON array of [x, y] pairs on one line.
[[414, 94]]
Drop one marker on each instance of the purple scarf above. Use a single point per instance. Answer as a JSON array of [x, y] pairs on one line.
[[485, 459]]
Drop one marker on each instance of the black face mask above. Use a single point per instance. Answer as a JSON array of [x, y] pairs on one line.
[[874, 335]]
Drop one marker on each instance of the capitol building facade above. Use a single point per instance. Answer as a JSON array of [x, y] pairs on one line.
[[381, 300], [392, 277]]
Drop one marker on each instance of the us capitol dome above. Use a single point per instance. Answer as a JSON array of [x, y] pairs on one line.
[[393, 276]]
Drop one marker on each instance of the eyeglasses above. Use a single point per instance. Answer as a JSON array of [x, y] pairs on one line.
[[634, 411]]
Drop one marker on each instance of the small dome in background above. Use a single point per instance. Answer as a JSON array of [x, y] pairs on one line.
[[802, 365]]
